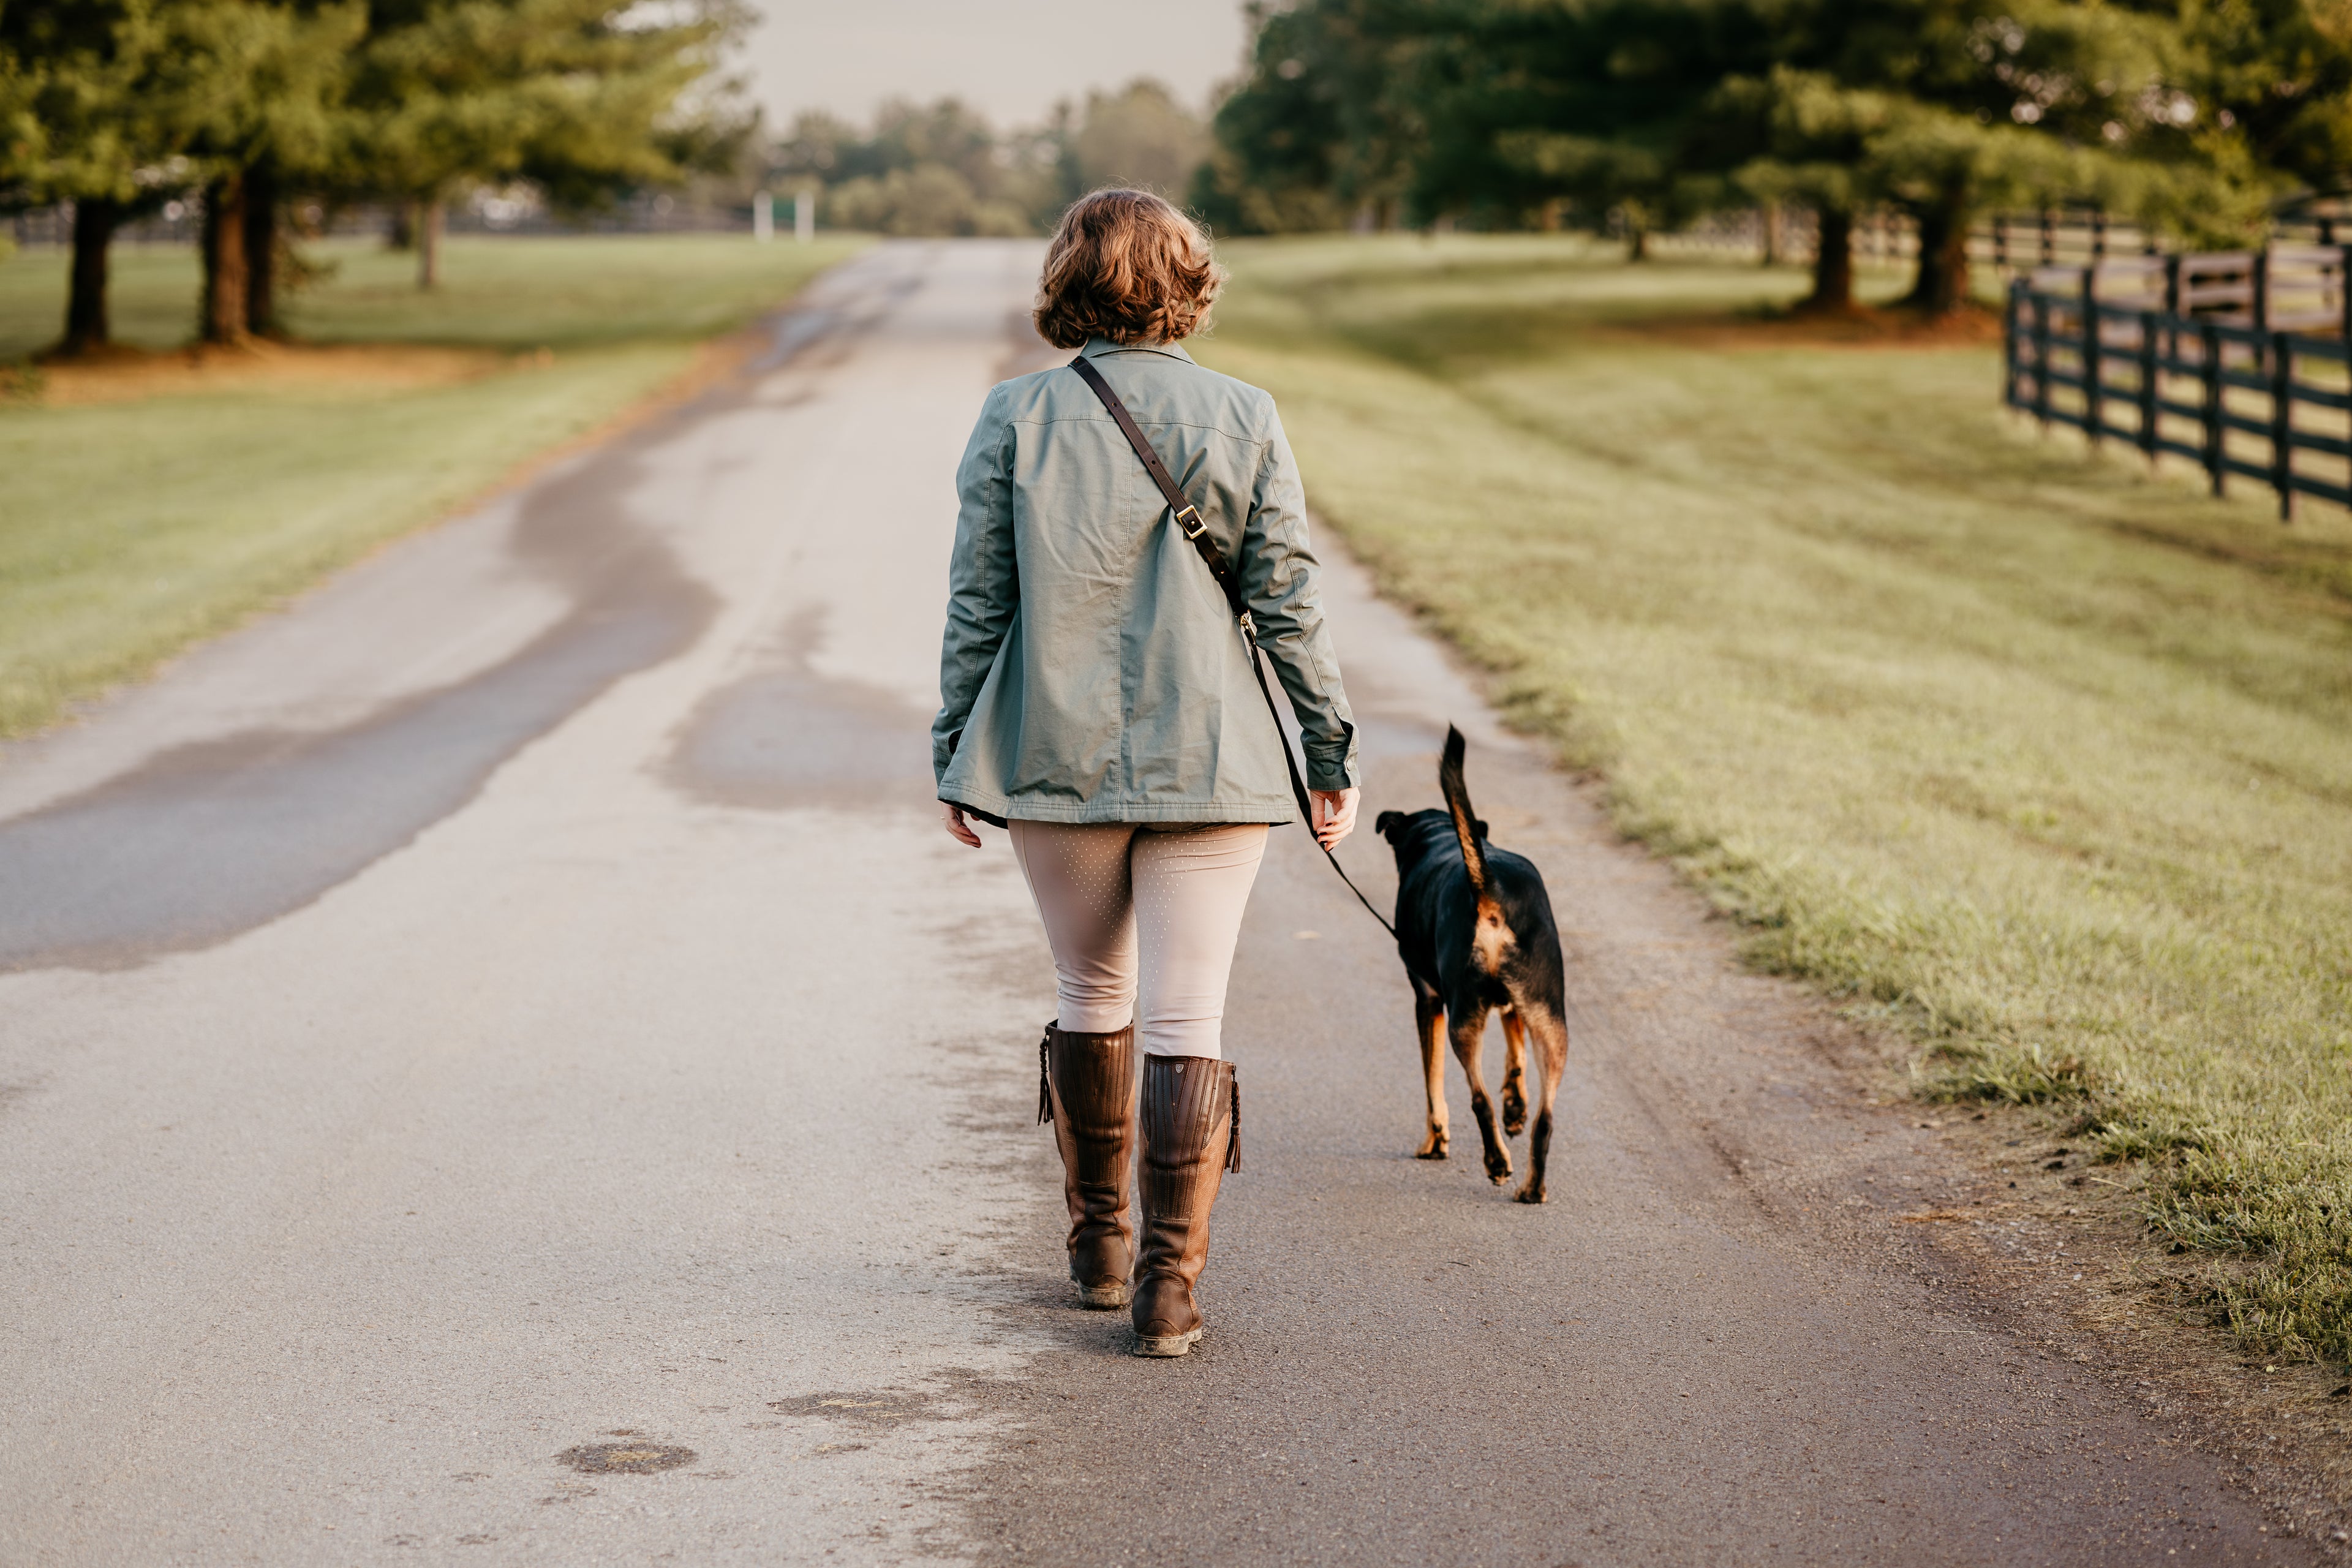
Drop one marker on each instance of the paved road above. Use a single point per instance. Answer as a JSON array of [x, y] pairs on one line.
[[517, 1001]]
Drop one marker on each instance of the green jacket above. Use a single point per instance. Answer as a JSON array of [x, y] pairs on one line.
[[1092, 670]]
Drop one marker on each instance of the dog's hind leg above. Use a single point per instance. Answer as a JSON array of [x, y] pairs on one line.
[[1466, 1022], [1550, 1034], [1429, 1022], [1514, 1073]]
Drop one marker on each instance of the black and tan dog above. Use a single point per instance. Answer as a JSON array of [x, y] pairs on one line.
[[1475, 928]]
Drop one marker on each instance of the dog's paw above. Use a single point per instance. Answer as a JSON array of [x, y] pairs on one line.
[[1431, 1148], [1515, 1109], [1499, 1165], [1530, 1194]]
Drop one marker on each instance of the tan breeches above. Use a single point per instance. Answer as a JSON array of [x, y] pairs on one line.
[[1142, 918]]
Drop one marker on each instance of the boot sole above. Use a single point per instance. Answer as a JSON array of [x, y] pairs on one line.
[[1166, 1344], [1101, 1297]]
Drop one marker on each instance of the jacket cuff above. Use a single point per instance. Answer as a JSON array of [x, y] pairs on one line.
[[1336, 776]]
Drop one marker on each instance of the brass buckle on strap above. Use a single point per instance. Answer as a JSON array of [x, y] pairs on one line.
[[1194, 529]]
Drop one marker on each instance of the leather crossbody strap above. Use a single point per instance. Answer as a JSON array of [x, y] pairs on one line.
[[1187, 519]]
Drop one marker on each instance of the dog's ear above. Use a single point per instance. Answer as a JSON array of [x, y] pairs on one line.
[[1386, 822], [1480, 828]]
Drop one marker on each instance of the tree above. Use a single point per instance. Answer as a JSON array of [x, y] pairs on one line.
[[1499, 112], [116, 104], [1994, 101], [78, 123], [926, 169], [252, 90], [1943, 107], [940, 168], [1502, 110], [1665, 107], [581, 98], [2260, 94], [1139, 136], [1793, 137], [928, 199], [907, 135], [1533, 104], [1322, 128]]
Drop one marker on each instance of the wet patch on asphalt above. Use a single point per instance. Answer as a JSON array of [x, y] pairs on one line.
[[874, 1407], [205, 842], [785, 736]]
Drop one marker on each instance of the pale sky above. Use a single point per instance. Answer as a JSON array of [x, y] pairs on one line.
[[1010, 59]]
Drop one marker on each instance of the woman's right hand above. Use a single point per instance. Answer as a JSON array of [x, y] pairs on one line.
[[1335, 814], [958, 828]]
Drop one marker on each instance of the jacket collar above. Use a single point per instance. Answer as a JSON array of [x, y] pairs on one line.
[[1097, 347]]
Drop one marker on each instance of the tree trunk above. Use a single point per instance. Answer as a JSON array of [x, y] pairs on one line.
[[261, 251], [1832, 263], [1942, 284], [1637, 241], [428, 244], [86, 326], [401, 233], [1774, 243], [221, 313]]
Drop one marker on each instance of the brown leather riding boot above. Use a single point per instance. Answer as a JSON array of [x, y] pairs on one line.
[[1191, 1136], [1087, 1089]]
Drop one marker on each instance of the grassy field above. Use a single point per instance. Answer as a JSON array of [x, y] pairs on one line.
[[2041, 759], [151, 504]]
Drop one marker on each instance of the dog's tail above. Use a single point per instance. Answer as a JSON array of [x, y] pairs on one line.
[[1466, 820]]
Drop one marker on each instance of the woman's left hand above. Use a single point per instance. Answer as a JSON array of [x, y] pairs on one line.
[[958, 828], [1335, 814]]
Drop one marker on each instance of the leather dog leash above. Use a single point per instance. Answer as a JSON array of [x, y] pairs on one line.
[[1187, 518]]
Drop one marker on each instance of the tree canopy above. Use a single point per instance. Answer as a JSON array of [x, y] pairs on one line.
[[569, 94], [2192, 115], [1324, 126], [118, 105], [942, 169]]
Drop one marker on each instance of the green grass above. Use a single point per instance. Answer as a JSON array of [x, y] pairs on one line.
[[132, 529], [562, 293], [2044, 759], [509, 294]]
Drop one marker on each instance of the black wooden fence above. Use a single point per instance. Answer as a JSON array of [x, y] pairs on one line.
[[2076, 236], [2228, 360]]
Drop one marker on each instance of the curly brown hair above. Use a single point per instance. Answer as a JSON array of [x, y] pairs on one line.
[[1124, 265]]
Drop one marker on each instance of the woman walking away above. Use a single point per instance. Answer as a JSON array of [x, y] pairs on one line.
[[1097, 702]]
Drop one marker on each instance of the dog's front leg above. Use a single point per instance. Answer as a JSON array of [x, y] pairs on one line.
[[1468, 1024], [1429, 1021], [1514, 1073]]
